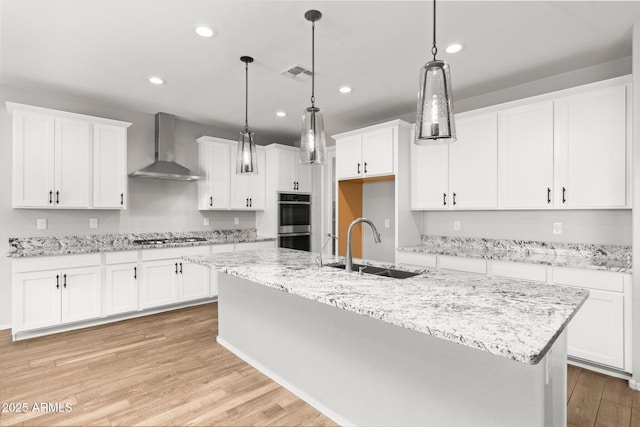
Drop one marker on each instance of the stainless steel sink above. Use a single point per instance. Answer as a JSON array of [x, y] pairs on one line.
[[378, 271]]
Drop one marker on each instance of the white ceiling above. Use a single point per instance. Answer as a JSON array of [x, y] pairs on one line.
[[105, 49]]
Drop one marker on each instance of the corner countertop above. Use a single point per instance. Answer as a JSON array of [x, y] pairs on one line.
[[573, 255], [21, 247], [515, 319]]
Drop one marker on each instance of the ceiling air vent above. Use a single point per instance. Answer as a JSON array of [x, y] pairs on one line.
[[297, 72]]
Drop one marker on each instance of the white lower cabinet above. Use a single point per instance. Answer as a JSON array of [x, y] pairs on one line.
[[51, 291], [166, 279], [121, 288]]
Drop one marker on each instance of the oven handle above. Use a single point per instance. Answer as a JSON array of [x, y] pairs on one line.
[[294, 234], [293, 203]]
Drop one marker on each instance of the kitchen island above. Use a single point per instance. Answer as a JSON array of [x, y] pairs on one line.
[[435, 349]]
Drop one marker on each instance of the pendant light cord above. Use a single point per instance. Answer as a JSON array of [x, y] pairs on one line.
[[313, 67], [434, 49], [246, 96]]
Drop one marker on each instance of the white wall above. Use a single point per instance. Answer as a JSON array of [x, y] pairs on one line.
[[378, 204], [154, 205]]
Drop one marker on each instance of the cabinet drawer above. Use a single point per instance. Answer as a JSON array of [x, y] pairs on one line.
[[168, 253], [416, 258], [54, 262], [249, 246], [603, 280], [537, 273], [469, 265], [121, 257]]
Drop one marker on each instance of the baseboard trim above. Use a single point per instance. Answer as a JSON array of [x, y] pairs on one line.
[[7, 326], [332, 415], [612, 372]]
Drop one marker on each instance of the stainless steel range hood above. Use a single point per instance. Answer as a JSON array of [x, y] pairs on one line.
[[164, 167]]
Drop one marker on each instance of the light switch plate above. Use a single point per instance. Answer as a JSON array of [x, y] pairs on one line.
[[456, 225], [205, 221], [41, 224], [387, 223], [236, 220], [93, 222], [557, 228]]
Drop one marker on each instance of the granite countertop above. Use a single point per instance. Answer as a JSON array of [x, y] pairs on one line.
[[515, 319], [20, 247], [573, 255]]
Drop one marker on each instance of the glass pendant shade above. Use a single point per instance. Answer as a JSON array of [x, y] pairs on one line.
[[246, 160], [313, 146], [435, 122]]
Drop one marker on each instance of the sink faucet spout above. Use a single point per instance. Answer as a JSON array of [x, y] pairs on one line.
[[376, 238]]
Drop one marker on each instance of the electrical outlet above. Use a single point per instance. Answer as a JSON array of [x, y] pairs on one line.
[[236, 220], [387, 223], [557, 228], [205, 221], [93, 222], [41, 224], [456, 225]]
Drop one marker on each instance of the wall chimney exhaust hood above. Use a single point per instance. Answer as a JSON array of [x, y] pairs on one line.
[[162, 167]]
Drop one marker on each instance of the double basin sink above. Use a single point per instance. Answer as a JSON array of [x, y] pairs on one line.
[[377, 271]]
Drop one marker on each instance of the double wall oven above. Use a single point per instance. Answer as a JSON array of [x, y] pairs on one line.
[[294, 221]]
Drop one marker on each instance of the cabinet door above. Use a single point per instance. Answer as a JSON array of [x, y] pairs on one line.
[[240, 190], [596, 333], [302, 176], [72, 163], [219, 175], [526, 156], [121, 288], [159, 285], [591, 139], [195, 281], [378, 153], [109, 166], [33, 160], [81, 294], [257, 198], [473, 163], [429, 177], [285, 175], [349, 157], [37, 300]]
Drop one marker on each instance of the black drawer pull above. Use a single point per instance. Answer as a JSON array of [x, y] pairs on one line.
[[548, 195], [176, 268], [454, 199], [135, 272], [50, 197], [121, 198], [250, 202], [211, 201], [64, 276], [57, 197], [57, 281], [180, 268], [564, 191], [365, 167], [358, 168], [444, 199]]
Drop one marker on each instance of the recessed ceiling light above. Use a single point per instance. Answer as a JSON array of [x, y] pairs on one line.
[[281, 114], [203, 31], [345, 89], [156, 80], [454, 48]]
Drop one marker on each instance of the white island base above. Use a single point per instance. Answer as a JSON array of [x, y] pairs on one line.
[[362, 371]]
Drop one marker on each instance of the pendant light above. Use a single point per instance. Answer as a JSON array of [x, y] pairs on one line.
[[246, 161], [312, 143], [435, 122]]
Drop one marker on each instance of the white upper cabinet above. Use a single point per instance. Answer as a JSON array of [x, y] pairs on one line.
[[109, 166], [591, 142], [66, 160], [526, 149], [367, 152], [214, 164], [565, 150], [473, 163], [247, 191], [292, 177], [429, 176]]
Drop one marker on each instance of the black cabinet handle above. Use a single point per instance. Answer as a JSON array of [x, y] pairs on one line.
[[444, 199], [180, 268], [297, 185], [365, 167], [50, 197], [247, 202], [57, 197], [454, 199], [548, 195], [57, 281], [564, 191], [121, 198], [64, 276], [211, 201], [176, 268], [135, 272], [358, 168]]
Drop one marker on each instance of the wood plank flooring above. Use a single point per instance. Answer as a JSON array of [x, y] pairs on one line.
[[167, 369]]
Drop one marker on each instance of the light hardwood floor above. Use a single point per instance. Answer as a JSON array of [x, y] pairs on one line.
[[167, 369]]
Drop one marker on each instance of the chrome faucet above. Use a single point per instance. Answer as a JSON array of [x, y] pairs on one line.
[[329, 237], [348, 266]]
